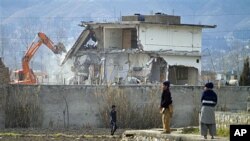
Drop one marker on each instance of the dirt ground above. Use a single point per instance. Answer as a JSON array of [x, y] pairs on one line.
[[88, 134]]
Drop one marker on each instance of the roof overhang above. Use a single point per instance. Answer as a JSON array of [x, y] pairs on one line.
[[125, 24]]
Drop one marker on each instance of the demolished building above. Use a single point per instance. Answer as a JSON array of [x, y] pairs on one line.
[[137, 49]]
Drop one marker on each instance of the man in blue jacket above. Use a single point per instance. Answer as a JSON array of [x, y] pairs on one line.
[[207, 119]]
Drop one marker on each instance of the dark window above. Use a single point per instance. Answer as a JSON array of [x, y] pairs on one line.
[[133, 38], [182, 73]]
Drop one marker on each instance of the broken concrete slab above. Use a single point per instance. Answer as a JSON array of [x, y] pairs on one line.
[[156, 134]]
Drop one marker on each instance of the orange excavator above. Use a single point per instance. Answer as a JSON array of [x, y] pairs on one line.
[[26, 75]]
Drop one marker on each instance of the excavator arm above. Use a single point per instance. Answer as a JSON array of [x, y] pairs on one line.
[[26, 75]]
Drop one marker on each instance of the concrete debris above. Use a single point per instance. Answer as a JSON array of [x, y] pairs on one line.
[[85, 68]]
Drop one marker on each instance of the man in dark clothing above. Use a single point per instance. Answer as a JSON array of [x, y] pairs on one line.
[[113, 120], [207, 119], [166, 108]]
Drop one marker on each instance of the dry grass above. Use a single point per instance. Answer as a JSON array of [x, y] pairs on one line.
[[22, 111], [129, 114], [76, 134]]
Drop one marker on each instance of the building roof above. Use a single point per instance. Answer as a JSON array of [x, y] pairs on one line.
[[126, 24]]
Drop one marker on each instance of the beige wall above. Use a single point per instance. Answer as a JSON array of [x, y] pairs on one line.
[[113, 38], [179, 38], [193, 76]]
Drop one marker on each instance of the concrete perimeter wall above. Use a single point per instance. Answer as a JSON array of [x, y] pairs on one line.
[[3, 93], [59, 106]]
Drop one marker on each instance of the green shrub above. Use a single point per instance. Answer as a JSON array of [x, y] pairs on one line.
[[223, 132]]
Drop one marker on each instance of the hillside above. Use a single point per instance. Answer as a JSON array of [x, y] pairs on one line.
[[22, 19]]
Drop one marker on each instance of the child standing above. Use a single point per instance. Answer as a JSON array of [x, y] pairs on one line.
[[113, 120]]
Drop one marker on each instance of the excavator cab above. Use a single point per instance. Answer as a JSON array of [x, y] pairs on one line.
[[19, 75]]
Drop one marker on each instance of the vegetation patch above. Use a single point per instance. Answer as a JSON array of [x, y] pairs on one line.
[[222, 132], [10, 134], [190, 130]]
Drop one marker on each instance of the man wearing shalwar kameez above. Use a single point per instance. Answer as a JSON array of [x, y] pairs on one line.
[[207, 118], [166, 107]]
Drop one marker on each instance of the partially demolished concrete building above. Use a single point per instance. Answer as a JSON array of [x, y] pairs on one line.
[[138, 49]]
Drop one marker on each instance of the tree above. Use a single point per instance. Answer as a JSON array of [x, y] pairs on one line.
[[245, 75]]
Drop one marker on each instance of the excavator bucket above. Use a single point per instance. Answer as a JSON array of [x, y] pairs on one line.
[[59, 48]]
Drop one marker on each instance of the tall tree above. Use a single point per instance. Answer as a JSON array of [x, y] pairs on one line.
[[245, 75]]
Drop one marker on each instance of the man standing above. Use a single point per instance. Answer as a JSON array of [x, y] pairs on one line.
[[207, 119], [166, 108], [113, 125]]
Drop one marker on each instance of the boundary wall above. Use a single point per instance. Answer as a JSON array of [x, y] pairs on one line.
[[59, 106]]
